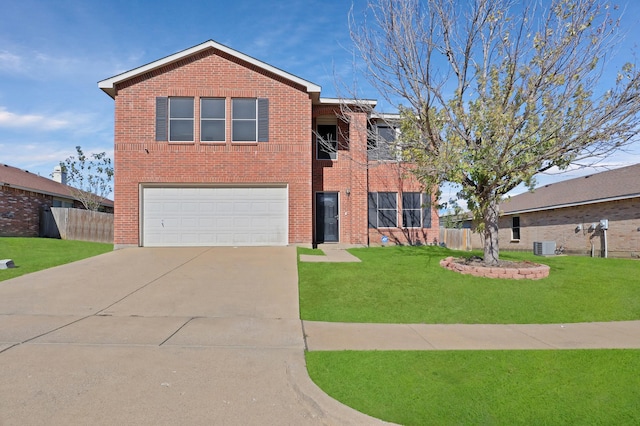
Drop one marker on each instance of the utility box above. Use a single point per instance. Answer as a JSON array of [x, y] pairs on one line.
[[6, 264], [544, 248]]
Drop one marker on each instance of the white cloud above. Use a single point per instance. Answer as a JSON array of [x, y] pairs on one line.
[[10, 62], [49, 65], [31, 121], [40, 157]]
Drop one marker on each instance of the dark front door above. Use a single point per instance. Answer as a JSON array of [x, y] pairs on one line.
[[327, 216]]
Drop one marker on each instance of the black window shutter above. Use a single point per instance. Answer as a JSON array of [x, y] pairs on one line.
[[263, 120], [373, 210], [162, 104], [426, 210]]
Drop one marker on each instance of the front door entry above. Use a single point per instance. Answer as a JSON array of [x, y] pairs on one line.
[[327, 230]]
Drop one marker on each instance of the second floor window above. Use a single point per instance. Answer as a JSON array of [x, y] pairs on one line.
[[180, 119], [175, 119], [245, 120], [327, 142], [381, 144], [212, 119]]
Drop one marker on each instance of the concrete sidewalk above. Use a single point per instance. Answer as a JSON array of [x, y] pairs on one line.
[[331, 254], [323, 336], [203, 336], [194, 336]]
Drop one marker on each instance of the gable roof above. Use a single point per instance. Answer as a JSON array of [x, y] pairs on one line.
[[14, 177], [109, 85], [617, 184]]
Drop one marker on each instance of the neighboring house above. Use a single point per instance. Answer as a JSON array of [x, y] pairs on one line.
[[23, 195], [571, 213], [214, 147]]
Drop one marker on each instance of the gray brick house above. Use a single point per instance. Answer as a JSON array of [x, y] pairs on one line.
[[587, 215]]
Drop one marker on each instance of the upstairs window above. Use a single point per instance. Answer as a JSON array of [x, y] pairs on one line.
[[245, 120], [181, 119], [250, 120], [381, 143], [327, 142], [175, 119], [212, 119]]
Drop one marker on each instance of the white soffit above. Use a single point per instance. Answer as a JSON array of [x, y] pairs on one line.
[[337, 101]]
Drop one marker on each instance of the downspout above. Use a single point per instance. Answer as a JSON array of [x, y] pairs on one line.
[[366, 169]]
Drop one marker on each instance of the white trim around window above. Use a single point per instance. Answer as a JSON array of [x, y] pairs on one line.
[[181, 119], [213, 120]]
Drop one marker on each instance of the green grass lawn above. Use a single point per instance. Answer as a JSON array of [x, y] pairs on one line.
[[407, 285], [310, 252], [35, 254], [581, 387]]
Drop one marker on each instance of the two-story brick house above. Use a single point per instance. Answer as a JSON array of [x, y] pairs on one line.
[[214, 147]]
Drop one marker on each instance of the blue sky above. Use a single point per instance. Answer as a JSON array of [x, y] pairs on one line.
[[53, 53]]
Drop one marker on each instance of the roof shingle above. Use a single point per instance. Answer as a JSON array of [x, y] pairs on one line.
[[23, 179], [599, 187]]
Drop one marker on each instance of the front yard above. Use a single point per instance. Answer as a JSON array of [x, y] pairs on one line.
[[35, 254], [407, 285], [582, 387]]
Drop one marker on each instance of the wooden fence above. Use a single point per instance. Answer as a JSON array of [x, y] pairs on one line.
[[456, 239], [76, 224]]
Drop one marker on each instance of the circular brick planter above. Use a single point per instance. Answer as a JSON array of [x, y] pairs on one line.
[[531, 271]]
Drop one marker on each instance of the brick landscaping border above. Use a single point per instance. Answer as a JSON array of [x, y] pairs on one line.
[[534, 272]]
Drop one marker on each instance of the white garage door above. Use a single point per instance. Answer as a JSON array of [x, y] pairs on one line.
[[214, 217]]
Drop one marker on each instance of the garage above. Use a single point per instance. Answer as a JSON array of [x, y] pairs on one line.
[[214, 216]]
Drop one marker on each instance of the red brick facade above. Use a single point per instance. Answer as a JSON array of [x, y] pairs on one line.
[[391, 176], [288, 158], [20, 212]]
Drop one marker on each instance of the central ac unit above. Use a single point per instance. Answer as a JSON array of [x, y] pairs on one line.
[[544, 248]]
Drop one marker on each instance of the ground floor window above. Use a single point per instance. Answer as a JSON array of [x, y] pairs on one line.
[[416, 210], [383, 210], [61, 203], [515, 228], [384, 207]]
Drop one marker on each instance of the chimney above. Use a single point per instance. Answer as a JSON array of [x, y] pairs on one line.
[[59, 176]]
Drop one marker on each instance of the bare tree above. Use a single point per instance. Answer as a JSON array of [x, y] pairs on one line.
[[89, 177], [494, 91]]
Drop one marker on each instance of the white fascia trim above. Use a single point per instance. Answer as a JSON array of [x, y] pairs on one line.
[[332, 101], [386, 115], [108, 85], [562, 206]]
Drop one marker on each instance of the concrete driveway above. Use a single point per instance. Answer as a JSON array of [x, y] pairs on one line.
[[160, 337]]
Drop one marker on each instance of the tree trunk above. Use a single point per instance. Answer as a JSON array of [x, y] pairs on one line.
[[491, 250]]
